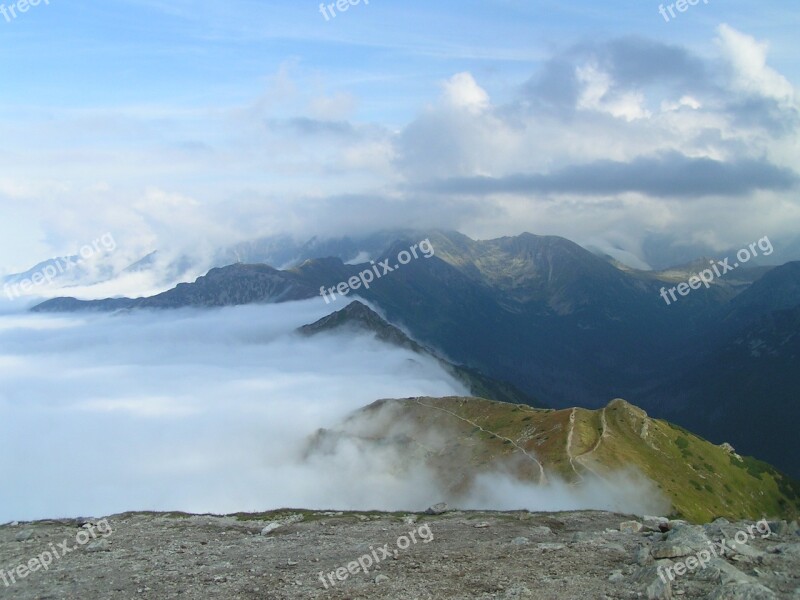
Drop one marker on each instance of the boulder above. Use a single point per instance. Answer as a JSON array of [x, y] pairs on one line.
[[630, 527], [437, 509], [682, 540]]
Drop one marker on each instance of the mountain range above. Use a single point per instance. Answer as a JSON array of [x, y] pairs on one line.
[[565, 326]]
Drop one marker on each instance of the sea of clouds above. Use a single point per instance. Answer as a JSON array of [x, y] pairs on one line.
[[210, 411]]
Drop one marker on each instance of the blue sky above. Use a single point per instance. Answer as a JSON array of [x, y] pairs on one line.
[[85, 54], [132, 115]]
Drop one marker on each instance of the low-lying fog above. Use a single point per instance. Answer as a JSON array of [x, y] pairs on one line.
[[207, 411]]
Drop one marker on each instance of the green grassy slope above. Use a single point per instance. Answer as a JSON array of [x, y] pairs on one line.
[[703, 481]]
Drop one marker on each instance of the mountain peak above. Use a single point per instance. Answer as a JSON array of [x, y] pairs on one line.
[[624, 405], [360, 316]]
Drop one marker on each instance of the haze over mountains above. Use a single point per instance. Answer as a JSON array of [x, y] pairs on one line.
[[123, 272], [564, 325]]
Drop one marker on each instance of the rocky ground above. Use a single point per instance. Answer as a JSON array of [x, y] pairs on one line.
[[577, 555]]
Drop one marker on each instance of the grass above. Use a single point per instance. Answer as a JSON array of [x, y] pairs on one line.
[[702, 480]]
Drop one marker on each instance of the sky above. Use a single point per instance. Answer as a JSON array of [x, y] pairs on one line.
[[192, 125]]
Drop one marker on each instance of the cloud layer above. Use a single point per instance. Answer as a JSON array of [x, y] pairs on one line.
[[213, 412], [203, 411]]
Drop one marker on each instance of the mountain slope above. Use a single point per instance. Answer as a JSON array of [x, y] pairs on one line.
[[701, 481], [358, 317], [779, 289], [746, 390]]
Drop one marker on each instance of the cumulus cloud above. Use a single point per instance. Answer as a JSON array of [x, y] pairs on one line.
[[463, 92], [747, 59], [603, 138]]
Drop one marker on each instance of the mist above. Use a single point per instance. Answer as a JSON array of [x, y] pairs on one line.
[[433, 450], [209, 411]]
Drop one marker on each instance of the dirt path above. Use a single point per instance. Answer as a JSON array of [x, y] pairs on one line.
[[603, 434], [542, 475], [569, 444], [581, 458]]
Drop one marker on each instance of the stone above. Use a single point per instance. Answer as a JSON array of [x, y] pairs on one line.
[[722, 572], [98, 546], [24, 535], [612, 547], [437, 509], [584, 536], [520, 541], [630, 527], [743, 591], [642, 556], [743, 551], [682, 540], [656, 524], [274, 526], [517, 591], [779, 528], [653, 586]]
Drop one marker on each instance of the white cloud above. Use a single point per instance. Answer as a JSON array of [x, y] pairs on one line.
[[752, 75], [463, 92], [597, 95], [190, 179]]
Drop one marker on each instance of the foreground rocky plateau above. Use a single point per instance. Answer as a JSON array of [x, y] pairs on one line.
[[444, 554]]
